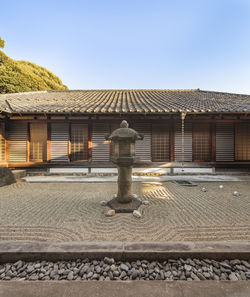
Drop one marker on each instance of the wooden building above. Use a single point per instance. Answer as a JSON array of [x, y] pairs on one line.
[[48, 128]]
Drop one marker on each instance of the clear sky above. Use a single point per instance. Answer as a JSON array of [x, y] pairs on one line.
[[177, 44]]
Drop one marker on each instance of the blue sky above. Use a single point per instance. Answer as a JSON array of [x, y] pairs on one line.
[[174, 44]]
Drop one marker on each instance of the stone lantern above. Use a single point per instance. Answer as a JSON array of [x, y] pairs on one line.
[[123, 140]]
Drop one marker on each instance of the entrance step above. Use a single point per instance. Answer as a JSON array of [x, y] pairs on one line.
[[18, 174]]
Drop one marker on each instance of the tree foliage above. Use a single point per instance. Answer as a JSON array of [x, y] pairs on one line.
[[24, 76], [1, 43]]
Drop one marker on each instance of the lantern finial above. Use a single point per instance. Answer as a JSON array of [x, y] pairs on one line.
[[124, 124]]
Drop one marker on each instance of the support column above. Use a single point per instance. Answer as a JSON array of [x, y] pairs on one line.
[[124, 184], [183, 115], [213, 142]]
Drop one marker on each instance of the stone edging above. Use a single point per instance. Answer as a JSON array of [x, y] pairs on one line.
[[32, 251]]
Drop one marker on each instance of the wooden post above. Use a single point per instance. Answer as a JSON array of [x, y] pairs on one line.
[[213, 142], [171, 139], [7, 150], [48, 141], [28, 143], [69, 143], [90, 128]]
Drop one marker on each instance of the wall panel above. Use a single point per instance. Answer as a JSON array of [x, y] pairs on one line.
[[100, 147], [224, 142], [59, 142], [17, 142], [38, 142], [160, 143], [143, 147], [242, 142]]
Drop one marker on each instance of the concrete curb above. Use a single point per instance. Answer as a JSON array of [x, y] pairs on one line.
[[125, 251], [162, 178], [125, 289]]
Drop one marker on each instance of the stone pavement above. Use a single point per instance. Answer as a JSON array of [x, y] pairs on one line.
[[125, 289], [66, 212]]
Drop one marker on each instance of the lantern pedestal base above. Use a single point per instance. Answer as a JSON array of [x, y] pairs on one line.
[[124, 207]]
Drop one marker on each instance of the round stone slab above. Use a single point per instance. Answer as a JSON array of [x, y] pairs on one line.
[[124, 207]]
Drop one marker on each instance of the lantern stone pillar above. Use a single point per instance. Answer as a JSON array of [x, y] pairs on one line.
[[123, 140]]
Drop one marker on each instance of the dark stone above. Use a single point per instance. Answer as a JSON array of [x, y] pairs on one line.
[[6, 177]]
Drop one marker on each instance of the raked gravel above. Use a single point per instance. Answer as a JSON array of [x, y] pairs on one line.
[[109, 269]]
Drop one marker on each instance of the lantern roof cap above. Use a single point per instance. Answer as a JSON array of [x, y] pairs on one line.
[[124, 133]]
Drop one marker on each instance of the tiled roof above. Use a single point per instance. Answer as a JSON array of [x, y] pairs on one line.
[[123, 101]]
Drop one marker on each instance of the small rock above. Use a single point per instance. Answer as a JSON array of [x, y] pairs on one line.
[[30, 268], [188, 267], [109, 261], [103, 203], [221, 187], [123, 274], [207, 275], [194, 276], [204, 189], [33, 277], [145, 202], [137, 214], [235, 262], [225, 265], [233, 277], [90, 274], [18, 264], [95, 276], [134, 274], [246, 264], [124, 267], [70, 275], [98, 269], [236, 194], [116, 273], [110, 213], [201, 276]]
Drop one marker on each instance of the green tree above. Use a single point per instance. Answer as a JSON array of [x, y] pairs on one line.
[[1, 43], [24, 76]]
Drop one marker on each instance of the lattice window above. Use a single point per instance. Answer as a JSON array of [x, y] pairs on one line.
[[242, 142], [160, 143], [2, 143], [38, 142], [79, 142], [201, 142]]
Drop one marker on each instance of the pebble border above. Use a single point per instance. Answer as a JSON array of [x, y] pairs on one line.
[[110, 269]]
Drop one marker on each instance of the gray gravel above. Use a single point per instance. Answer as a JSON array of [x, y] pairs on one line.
[[109, 269]]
